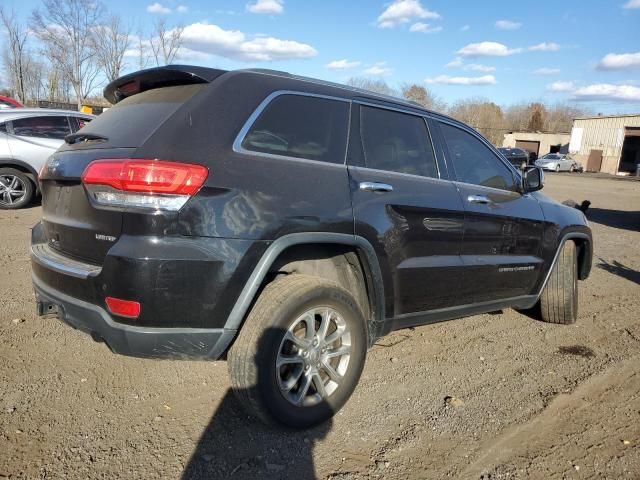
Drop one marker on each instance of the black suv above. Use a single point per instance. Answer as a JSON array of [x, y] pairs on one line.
[[516, 156], [286, 223]]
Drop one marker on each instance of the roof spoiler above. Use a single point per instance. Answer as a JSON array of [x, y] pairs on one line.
[[168, 76]]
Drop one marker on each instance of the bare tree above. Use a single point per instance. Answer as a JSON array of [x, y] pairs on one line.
[[537, 117], [14, 56], [376, 86], [142, 47], [419, 94], [484, 116], [65, 27], [165, 43], [110, 42]]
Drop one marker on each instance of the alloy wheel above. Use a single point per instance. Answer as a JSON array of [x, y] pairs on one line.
[[313, 357], [12, 189]]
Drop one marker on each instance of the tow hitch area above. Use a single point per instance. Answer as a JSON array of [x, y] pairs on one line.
[[46, 308]]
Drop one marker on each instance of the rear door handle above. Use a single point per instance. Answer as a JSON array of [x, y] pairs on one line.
[[479, 199], [375, 187]]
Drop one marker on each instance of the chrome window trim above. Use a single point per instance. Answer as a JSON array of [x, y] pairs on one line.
[[517, 179], [402, 174], [409, 112], [237, 144]]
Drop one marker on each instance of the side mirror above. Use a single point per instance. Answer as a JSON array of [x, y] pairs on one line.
[[532, 179]]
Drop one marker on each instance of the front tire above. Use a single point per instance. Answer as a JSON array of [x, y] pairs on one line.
[[559, 299], [16, 189], [300, 352], [557, 168]]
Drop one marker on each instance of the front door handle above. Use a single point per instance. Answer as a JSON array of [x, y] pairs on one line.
[[375, 187], [479, 199]]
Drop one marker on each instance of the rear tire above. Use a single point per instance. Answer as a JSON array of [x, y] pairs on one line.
[[295, 306], [559, 300], [16, 189]]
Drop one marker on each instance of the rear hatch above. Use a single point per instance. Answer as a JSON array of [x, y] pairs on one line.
[[71, 222]]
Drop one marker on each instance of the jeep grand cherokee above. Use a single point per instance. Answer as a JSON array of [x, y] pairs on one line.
[[286, 223]]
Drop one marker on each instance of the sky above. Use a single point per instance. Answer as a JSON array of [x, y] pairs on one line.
[[578, 51]]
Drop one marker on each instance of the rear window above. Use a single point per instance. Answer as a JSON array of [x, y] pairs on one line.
[[130, 122], [302, 127]]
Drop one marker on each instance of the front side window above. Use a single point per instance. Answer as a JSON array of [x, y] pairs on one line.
[[42, 127], [396, 142], [474, 162], [302, 127]]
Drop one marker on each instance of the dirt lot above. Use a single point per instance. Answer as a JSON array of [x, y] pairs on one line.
[[529, 400]]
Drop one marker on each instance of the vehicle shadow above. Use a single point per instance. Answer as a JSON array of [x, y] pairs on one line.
[[622, 219], [621, 270], [236, 445]]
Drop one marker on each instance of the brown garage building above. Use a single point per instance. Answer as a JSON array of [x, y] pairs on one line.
[[609, 144]]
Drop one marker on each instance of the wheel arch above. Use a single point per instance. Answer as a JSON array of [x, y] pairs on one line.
[[584, 244], [24, 167], [279, 256]]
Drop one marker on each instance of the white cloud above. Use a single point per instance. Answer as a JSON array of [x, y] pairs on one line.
[[379, 69], [508, 25], [158, 8], [620, 61], [544, 47], [447, 80], [464, 28], [561, 86], [343, 64], [212, 40], [476, 67], [182, 9], [632, 4], [546, 71], [270, 7], [607, 92], [404, 11], [487, 49], [424, 28]]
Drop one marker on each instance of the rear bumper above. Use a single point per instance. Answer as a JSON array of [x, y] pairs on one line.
[[192, 343]]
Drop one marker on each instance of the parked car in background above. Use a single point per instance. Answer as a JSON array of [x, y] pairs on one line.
[[516, 156], [556, 162], [28, 136], [287, 223], [9, 103]]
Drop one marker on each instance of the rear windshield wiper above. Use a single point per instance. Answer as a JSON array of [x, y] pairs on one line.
[[84, 137]]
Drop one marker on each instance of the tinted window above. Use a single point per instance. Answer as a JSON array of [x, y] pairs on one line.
[[3, 128], [42, 127], [131, 121], [78, 122], [302, 127], [474, 162], [396, 142]]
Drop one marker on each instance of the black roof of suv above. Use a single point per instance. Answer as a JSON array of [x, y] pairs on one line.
[[287, 223]]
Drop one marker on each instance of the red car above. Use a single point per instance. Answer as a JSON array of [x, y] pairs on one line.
[[8, 102]]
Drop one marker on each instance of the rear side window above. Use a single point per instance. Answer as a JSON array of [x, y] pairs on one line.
[[3, 128], [474, 162], [302, 127], [42, 127], [396, 142]]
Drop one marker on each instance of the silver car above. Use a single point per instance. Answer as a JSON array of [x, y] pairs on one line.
[[27, 137], [556, 162]]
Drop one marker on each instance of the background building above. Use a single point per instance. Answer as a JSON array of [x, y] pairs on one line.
[[539, 143], [609, 144]]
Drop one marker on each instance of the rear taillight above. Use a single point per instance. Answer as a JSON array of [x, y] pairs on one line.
[[138, 183]]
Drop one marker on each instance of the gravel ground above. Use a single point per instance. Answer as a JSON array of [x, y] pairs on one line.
[[487, 397]]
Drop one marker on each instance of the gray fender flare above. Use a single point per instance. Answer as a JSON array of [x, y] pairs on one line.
[[565, 238], [373, 276]]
